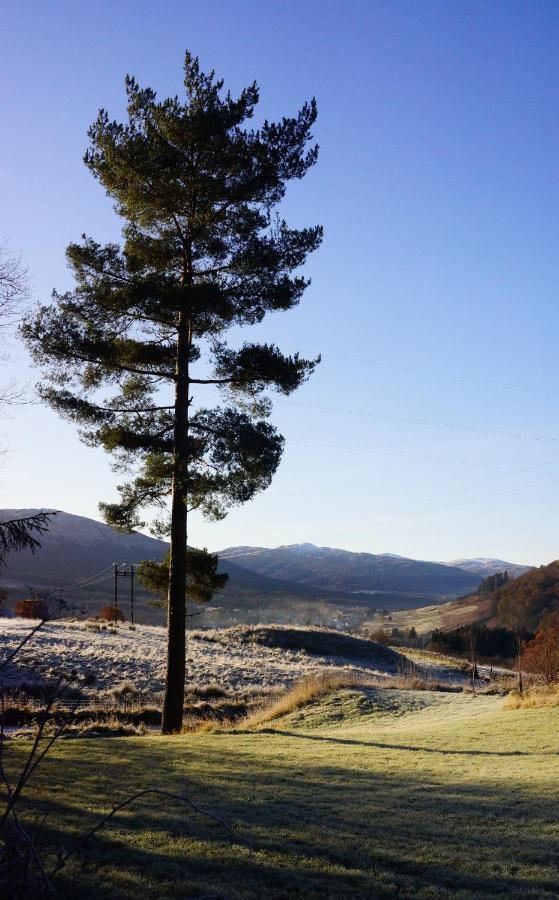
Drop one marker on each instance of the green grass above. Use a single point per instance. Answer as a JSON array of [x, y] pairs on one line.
[[383, 794]]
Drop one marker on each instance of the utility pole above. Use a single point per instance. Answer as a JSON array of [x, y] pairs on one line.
[[115, 604], [131, 594], [124, 573]]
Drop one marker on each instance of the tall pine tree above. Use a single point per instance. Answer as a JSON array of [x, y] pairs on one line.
[[202, 253]]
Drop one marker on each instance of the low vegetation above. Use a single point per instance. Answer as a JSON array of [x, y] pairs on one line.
[[535, 696], [301, 694], [110, 613], [32, 608], [418, 795]]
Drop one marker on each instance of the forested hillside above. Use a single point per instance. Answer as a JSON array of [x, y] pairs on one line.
[[526, 600]]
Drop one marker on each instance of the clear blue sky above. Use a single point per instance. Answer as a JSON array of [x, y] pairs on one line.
[[434, 296]]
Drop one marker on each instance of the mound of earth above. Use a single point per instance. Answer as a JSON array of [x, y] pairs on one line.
[[236, 659], [359, 706], [314, 641]]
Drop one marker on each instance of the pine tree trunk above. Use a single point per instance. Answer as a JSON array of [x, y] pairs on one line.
[[176, 616]]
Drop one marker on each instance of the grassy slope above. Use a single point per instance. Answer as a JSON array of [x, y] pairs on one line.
[[420, 795], [444, 616], [536, 591]]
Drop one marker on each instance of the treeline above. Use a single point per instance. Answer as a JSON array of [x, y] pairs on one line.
[[493, 583], [491, 643]]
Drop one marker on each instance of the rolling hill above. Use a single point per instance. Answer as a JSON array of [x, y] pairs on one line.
[[298, 583], [76, 549], [529, 598], [523, 601]]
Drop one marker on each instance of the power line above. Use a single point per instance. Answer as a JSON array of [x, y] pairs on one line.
[[97, 578], [412, 420], [90, 579], [503, 490], [438, 374], [88, 584], [453, 504], [454, 462]]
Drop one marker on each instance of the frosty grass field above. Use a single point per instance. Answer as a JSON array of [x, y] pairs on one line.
[[364, 792]]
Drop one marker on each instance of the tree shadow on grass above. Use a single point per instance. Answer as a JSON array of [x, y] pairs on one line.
[[318, 829], [379, 745]]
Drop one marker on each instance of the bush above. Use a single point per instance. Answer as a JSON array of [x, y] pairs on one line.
[[205, 691], [111, 614], [381, 637], [33, 608]]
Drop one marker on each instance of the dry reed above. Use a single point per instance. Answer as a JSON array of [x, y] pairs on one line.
[[535, 697], [302, 693]]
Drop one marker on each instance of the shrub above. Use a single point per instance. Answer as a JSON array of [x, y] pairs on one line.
[[124, 689], [111, 614], [381, 637], [207, 691], [33, 608]]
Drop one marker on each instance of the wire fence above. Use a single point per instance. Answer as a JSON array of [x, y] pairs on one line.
[[123, 702]]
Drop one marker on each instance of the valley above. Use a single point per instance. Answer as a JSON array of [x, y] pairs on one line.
[[300, 584]]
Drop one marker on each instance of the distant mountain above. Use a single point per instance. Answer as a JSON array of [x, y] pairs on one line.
[[332, 569], [483, 566], [299, 582], [77, 553]]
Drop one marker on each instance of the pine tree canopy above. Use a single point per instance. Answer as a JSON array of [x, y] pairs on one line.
[[131, 354], [203, 579], [202, 252]]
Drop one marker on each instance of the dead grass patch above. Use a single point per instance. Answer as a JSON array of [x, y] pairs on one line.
[[303, 692], [534, 697]]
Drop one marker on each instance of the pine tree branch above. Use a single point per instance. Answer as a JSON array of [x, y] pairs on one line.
[[136, 409], [212, 381], [92, 360], [17, 534]]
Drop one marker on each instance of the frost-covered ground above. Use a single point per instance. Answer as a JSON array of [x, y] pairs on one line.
[[114, 655]]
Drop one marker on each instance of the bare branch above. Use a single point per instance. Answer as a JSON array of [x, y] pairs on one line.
[[14, 288], [158, 792]]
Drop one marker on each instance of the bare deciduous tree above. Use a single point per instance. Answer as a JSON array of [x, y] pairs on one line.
[[14, 288], [15, 534]]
